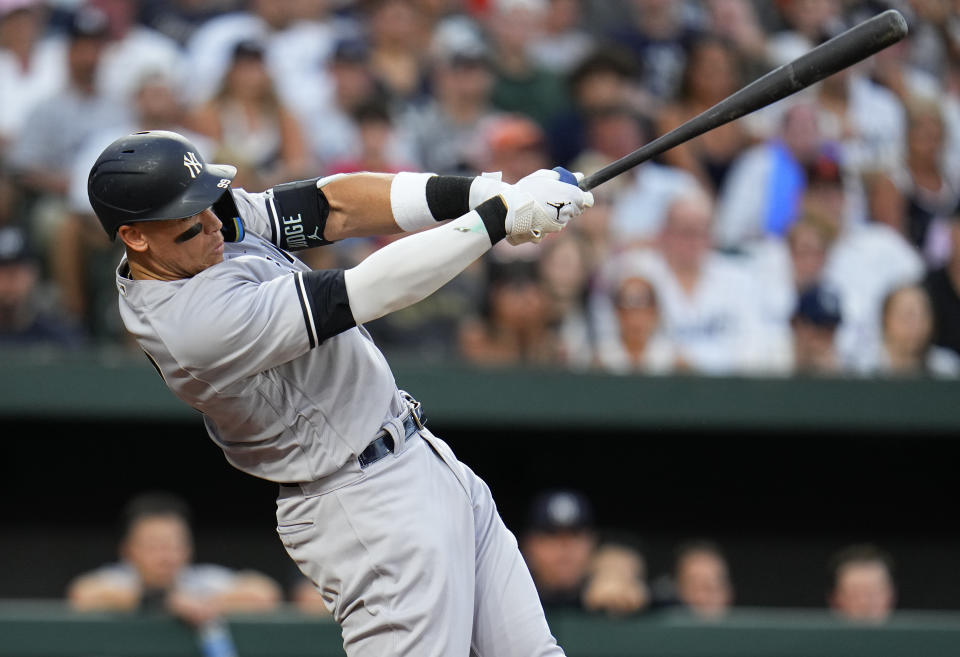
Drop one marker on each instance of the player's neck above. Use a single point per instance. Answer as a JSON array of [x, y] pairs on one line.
[[144, 271]]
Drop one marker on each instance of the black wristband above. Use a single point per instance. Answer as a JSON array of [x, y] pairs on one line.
[[493, 213], [448, 197]]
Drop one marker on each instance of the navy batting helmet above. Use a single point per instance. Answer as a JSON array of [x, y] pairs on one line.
[[159, 175]]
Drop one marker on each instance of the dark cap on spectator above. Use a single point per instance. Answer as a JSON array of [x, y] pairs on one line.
[[88, 23], [824, 170], [351, 50], [560, 510], [819, 306], [248, 49], [13, 246]]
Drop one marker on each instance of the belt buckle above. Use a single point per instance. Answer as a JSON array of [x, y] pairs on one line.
[[415, 410]]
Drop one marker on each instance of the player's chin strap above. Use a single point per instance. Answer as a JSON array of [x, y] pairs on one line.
[[226, 210]]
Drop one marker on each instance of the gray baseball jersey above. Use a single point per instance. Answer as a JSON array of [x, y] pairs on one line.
[[409, 553], [266, 349]]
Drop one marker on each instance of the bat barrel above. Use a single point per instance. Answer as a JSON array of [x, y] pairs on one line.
[[840, 52]]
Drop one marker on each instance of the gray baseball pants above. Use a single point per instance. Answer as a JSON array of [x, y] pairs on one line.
[[412, 558]]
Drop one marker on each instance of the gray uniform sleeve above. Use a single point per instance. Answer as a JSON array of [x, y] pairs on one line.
[[242, 319]]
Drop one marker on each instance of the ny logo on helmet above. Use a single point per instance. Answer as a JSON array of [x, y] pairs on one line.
[[190, 161]]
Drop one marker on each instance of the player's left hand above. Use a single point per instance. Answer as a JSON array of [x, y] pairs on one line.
[[555, 190]]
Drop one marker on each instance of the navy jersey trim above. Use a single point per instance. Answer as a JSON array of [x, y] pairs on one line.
[[305, 309], [324, 301]]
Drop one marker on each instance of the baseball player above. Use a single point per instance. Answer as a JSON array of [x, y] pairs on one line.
[[403, 541]]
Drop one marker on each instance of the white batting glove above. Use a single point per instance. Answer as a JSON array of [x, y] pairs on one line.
[[556, 199]]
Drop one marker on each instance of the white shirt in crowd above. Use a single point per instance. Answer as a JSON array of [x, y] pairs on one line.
[[716, 329], [141, 52], [198, 580], [638, 212], [21, 90], [295, 56], [864, 264]]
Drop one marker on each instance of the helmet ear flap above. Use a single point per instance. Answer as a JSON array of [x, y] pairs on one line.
[[226, 210]]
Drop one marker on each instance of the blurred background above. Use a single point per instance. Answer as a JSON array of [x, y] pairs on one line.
[[743, 358]]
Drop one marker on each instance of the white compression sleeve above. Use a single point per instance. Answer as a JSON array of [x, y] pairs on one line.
[[414, 267]]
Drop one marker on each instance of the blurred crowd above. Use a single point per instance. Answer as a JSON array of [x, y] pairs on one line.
[[820, 235], [575, 565]]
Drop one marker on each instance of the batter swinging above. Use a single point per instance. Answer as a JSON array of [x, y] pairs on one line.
[[403, 540]]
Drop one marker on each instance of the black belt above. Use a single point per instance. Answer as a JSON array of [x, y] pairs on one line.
[[383, 444]]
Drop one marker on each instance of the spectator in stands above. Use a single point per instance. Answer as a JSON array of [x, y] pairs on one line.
[[133, 51], [712, 72], [513, 145], [643, 197], [442, 133], [251, 126], [825, 197], [702, 579], [931, 188], [737, 22], [560, 545], [805, 25], [564, 269], [330, 126], [398, 34], [513, 327], [32, 66], [762, 192], [55, 131], [593, 230], [564, 43], [155, 572], [558, 542], [604, 79], [521, 84], [179, 19], [375, 128], [814, 325], [862, 587], [907, 348], [866, 119], [617, 582], [611, 132], [296, 50], [865, 262], [808, 242], [639, 344], [943, 286], [24, 321], [659, 33], [706, 300]]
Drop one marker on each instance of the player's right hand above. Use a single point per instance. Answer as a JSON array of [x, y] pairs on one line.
[[541, 203]]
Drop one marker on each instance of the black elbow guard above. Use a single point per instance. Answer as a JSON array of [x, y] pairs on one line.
[[298, 214]]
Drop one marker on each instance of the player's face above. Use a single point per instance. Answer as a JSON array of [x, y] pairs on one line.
[[181, 248]]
